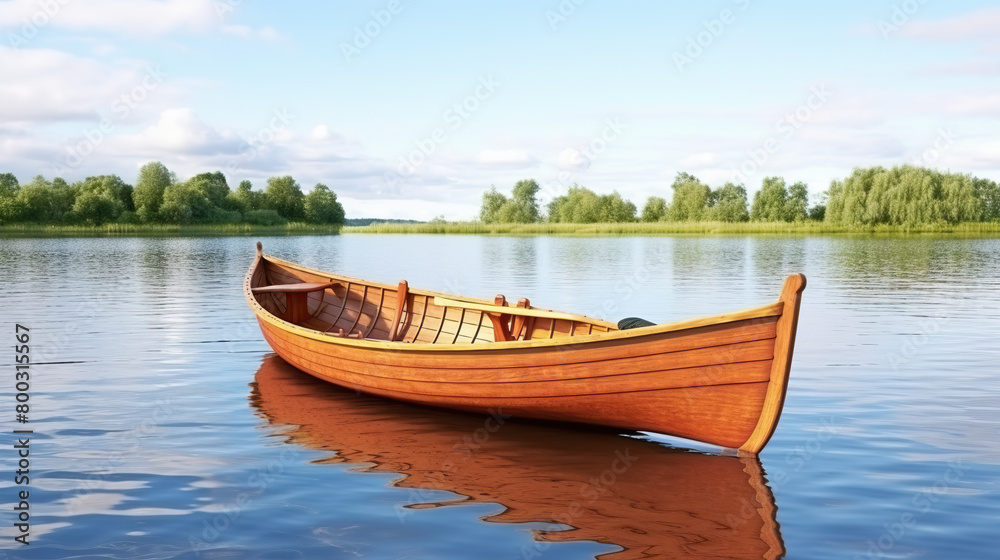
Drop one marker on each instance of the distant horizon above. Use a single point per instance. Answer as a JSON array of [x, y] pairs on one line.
[[413, 110]]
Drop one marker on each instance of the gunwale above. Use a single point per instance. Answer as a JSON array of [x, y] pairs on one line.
[[757, 312]]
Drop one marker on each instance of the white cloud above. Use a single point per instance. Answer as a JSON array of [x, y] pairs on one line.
[[978, 24], [135, 17], [505, 158], [180, 131], [982, 105], [49, 85], [572, 159], [320, 132], [704, 160]]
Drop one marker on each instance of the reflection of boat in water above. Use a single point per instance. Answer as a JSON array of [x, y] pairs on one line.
[[653, 501]]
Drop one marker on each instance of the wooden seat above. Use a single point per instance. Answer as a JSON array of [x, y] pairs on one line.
[[296, 298], [298, 288]]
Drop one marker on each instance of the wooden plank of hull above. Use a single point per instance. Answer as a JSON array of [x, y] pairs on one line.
[[719, 379], [703, 366], [722, 414]]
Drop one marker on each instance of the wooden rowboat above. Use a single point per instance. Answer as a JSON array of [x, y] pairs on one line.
[[651, 500], [719, 379]]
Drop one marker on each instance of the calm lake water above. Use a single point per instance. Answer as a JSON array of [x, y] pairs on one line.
[[165, 428]]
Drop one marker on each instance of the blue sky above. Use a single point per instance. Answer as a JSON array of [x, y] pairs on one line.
[[412, 108]]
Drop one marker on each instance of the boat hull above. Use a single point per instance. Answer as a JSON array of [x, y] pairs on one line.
[[717, 383]]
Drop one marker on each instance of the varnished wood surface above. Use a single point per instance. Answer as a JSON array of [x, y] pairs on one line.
[[716, 379], [298, 288], [650, 500]]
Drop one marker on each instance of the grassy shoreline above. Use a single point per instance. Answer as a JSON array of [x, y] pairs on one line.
[[970, 229], [162, 230], [988, 229]]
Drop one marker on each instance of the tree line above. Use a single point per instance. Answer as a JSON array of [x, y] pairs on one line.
[[901, 195], [158, 197]]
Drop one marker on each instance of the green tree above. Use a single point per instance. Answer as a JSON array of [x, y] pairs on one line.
[[111, 186], [797, 202], [187, 203], [654, 210], [8, 185], [520, 208], [322, 206], [581, 205], [989, 192], [683, 178], [615, 209], [9, 210], [150, 185], [214, 186], [524, 195], [284, 196], [770, 203], [728, 203], [493, 201], [245, 199], [904, 195], [34, 200], [690, 201], [96, 207]]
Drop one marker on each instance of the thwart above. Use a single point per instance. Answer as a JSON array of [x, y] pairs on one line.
[[718, 379]]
